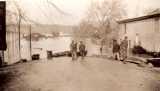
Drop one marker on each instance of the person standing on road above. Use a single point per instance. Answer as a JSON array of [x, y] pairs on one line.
[[82, 49], [101, 50], [115, 50], [73, 48], [124, 49]]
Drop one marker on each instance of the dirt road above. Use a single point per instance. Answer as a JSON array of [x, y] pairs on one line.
[[91, 74]]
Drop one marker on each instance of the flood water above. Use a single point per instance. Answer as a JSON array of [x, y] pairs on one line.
[[58, 44]]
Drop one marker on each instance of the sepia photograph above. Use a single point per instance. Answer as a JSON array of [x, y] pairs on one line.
[[79, 45]]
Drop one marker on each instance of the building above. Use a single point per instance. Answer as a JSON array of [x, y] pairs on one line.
[[13, 54], [144, 31]]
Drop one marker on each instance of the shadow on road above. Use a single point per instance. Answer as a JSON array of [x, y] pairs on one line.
[[5, 78]]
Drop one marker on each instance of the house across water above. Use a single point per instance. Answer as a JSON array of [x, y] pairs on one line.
[[144, 31]]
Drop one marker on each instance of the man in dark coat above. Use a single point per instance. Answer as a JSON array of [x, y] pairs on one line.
[[73, 47], [82, 49], [116, 49]]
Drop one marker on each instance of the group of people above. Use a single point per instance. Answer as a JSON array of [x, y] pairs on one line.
[[74, 49], [120, 49]]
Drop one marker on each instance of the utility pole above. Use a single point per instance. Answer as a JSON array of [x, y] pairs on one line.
[[30, 40], [19, 34]]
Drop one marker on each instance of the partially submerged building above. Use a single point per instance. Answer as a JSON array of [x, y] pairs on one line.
[[144, 31]]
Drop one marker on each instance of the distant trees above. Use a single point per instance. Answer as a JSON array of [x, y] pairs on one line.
[[101, 19]]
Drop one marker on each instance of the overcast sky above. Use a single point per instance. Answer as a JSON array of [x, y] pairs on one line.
[[75, 10]]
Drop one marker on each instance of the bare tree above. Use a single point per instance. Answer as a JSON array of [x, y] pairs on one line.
[[57, 8], [103, 16], [16, 16], [84, 29], [20, 17]]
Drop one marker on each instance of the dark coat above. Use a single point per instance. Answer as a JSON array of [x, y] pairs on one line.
[[116, 47], [82, 47]]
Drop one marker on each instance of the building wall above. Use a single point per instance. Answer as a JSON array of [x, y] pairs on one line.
[[148, 31], [12, 53]]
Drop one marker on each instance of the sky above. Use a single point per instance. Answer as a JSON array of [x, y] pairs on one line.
[[75, 10]]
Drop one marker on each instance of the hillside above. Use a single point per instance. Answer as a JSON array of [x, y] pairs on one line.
[[47, 29]]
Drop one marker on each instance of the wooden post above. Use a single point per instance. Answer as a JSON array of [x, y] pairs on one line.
[[30, 32], [125, 27], [156, 30], [19, 35]]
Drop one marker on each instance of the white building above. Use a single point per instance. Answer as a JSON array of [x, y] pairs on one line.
[[143, 30]]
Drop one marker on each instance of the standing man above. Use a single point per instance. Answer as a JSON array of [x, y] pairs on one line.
[[124, 49], [115, 49], [73, 48], [101, 49], [82, 49]]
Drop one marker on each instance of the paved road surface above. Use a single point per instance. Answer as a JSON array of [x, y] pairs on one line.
[[92, 74]]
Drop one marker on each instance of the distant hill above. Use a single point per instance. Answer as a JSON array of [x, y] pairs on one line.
[[48, 29]]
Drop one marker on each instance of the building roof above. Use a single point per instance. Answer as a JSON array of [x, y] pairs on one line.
[[139, 18]]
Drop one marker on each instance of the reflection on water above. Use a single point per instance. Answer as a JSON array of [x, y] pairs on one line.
[[58, 44]]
